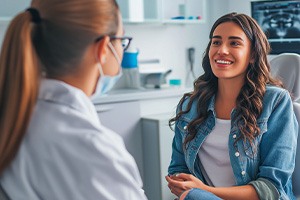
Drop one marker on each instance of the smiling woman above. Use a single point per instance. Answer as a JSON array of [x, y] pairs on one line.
[[235, 134], [230, 52]]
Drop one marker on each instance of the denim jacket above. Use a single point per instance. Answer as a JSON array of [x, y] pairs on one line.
[[274, 158]]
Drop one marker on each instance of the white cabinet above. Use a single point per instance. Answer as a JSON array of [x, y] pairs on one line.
[[184, 11], [134, 11], [157, 150], [163, 11], [124, 119]]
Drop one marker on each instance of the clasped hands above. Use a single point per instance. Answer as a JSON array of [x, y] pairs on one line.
[[178, 183]]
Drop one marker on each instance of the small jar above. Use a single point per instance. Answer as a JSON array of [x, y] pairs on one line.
[[175, 83]]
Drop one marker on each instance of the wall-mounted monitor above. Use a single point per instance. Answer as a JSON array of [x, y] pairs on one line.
[[280, 20]]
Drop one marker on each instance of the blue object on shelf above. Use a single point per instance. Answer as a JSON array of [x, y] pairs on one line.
[[130, 59], [189, 17], [175, 82], [178, 17]]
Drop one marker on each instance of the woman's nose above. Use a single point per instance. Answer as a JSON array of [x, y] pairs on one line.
[[223, 50]]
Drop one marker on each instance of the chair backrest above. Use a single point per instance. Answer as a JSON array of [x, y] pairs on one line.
[[286, 67], [296, 174]]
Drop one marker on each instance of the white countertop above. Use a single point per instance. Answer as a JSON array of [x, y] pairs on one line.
[[121, 95]]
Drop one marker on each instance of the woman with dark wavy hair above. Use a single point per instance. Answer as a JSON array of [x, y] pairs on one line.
[[236, 133]]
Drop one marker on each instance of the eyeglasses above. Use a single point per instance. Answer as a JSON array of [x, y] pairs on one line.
[[125, 40]]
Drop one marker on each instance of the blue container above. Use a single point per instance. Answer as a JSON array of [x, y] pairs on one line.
[[175, 82], [130, 59]]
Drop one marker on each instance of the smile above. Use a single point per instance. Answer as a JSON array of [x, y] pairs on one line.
[[223, 62]]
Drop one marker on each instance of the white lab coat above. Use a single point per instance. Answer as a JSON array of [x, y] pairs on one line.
[[67, 154]]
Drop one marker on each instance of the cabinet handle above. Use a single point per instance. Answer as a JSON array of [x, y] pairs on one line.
[[102, 108]]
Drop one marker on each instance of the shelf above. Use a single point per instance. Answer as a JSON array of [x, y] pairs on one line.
[[184, 11], [183, 21], [162, 11], [146, 21], [171, 21]]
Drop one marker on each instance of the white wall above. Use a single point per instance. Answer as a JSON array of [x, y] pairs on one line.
[[3, 27], [8, 9], [169, 43], [239, 6], [217, 8]]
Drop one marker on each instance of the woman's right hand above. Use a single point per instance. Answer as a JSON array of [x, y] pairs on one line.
[[181, 182]]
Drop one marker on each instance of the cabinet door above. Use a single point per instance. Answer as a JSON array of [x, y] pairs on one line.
[[134, 11], [157, 144], [124, 119], [163, 11], [184, 11]]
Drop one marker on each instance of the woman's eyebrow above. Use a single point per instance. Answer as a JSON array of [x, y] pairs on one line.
[[217, 36], [235, 38], [230, 37]]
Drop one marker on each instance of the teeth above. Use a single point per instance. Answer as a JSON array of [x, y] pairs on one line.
[[223, 62]]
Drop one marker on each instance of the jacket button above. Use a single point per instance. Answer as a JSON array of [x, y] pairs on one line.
[[237, 154], [234, 136], [185, 127], [243, 173]]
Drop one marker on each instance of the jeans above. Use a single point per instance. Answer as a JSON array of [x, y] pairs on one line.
[[198, 194]]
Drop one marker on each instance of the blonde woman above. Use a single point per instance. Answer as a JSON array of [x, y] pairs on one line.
[[57, 55]]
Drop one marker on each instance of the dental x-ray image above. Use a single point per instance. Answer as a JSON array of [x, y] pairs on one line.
[[280, 20]]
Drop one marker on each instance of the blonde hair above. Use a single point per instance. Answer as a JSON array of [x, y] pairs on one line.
[[55, 46]]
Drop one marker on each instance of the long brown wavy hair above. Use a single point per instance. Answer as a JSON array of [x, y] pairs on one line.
[[250, 99], [55, 47]]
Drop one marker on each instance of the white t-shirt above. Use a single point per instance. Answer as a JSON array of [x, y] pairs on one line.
[[67, 154], [214, 156]]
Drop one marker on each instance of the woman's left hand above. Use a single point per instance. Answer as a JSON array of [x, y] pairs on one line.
[[181, 182]]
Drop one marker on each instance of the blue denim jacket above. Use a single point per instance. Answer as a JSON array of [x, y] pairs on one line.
[[274, 158]]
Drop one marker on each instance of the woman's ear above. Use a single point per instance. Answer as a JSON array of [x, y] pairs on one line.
[[102, 49]]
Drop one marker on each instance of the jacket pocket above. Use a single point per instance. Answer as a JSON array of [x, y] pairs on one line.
[[252, 152]]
